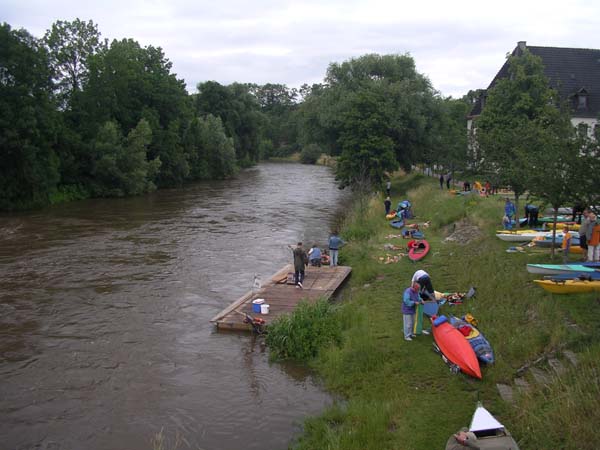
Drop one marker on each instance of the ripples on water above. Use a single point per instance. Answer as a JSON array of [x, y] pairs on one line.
[[105, 306]]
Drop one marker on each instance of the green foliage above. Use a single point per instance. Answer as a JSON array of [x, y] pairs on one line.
[[375, 110], [28, 122], [70, 45], [239, 112], [121, 167], [519, 121], [310, 154], [68, 193], [210, 151], [302, 334]]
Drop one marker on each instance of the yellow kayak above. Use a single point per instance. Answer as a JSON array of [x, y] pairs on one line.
[[569, 286]]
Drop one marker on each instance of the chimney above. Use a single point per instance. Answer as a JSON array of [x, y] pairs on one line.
[[522, 45]]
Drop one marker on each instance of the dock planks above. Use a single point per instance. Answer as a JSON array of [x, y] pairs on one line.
[[282, 298]]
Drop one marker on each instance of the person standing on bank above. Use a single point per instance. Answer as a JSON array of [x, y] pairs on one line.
[[442, 181], [585, 224], [388, 188], [410, 299], [300, 261], [335, 242], [448, 179], [388, 205]]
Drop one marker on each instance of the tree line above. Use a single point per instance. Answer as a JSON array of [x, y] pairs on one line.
[[81, 117]]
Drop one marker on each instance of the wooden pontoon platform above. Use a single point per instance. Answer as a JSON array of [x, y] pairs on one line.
[[282, 298]]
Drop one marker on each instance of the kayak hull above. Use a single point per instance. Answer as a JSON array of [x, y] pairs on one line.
[[555, 269], [455, 347], [569, 286]]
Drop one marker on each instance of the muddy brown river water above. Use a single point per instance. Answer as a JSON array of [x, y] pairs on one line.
[[105, 305]]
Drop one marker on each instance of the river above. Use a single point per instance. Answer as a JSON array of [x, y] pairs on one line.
[[105, 305]]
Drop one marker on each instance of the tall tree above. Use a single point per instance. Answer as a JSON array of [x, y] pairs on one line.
[[239, 111], [70, 46], [404, 102], [511, 129], [28, 122], [121, 167]]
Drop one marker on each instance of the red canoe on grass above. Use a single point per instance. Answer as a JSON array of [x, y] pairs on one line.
[[417, 249], [453, 345]]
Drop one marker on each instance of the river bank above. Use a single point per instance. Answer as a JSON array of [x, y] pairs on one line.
[[400, 394]]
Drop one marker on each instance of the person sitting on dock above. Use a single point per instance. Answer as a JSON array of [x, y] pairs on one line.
[[314, 256], [300, 261]]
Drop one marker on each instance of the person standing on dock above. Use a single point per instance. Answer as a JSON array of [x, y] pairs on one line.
[[300, 261], [335, 242]]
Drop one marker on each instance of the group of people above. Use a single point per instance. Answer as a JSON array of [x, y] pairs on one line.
[[589, 236], [448, 178], [314, 257]]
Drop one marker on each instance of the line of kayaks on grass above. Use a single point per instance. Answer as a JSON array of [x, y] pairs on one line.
[[567, 278], [418, 247]]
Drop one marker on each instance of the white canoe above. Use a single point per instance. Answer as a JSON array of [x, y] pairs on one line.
[[521, 237]]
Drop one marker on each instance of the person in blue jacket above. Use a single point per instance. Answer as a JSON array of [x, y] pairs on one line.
[[410, 299], [335, 242], [314, 256], [509, 214]]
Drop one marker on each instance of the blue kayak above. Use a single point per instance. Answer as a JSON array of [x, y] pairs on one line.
[[593, 276], [398, 223], [476, 339]]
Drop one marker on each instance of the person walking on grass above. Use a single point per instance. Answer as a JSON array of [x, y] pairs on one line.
[[335, 242], [388, 188], [442, 181], [388, 205], [410, 299]]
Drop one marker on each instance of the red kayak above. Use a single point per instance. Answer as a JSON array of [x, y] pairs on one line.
[[418, 249], [454, 347]]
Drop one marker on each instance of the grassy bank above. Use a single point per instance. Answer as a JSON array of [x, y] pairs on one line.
[[400, 395]]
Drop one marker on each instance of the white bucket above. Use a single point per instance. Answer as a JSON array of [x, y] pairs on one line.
[[264, 308], [256, 304]]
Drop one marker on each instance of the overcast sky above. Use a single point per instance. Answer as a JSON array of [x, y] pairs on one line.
[[459, 45]]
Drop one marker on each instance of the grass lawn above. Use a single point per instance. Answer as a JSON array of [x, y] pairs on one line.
[[400, 395]]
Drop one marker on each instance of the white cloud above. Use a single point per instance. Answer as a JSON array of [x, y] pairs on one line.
[[459, 45]]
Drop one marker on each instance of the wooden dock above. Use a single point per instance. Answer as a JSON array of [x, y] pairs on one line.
[[282, 297]]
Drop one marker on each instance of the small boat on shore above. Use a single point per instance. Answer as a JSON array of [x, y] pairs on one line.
[[557, 269], [490, 433], [454, 348], [574, 286], [417, 249]]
